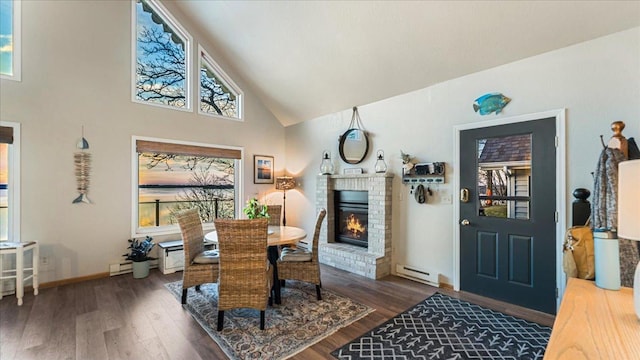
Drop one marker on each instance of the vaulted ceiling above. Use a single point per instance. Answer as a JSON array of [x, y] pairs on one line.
[[306, 59]]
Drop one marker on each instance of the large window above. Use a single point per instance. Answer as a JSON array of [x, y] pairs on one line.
[[9, 181], [162, 51], [219, 95], [174, 176], [10, 39]]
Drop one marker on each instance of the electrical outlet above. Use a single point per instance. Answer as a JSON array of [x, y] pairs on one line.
[[44, 260]]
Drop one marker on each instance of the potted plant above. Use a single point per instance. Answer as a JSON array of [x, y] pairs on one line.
[[139, 255], [254, 210]]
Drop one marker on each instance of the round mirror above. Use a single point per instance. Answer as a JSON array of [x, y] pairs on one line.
[[354, 145]]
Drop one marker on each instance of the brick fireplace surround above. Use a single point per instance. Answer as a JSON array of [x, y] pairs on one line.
[[375, 261]]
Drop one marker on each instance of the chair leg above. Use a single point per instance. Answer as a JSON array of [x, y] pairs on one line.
[[184, 296], [318, 295], [220, 320], [197, 287], [262, 320]]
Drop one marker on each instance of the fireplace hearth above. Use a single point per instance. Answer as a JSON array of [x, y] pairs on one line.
[[352, 209]]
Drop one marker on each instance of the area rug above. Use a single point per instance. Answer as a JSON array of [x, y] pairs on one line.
[[299, 322], [442, 327]]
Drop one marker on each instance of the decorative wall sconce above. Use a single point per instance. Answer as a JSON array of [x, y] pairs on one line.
[[381, 166], [326, 167]]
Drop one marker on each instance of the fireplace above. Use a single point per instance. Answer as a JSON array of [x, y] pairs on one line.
[[374, 260], [352, 214]]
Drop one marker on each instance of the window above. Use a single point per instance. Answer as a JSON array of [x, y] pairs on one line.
[[219, 95], [10, 39], [162, 52], [9, 181], [172, 176]]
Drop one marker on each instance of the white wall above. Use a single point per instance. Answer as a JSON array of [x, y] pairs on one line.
[[598, 82], [76, 70]]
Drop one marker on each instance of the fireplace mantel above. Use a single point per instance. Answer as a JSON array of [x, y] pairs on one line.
[[375, 261]]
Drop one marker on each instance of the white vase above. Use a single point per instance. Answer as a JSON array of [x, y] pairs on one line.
[[140, 269]]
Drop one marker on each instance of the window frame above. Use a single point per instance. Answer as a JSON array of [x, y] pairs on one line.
[[137, 231], [188, 40], [16, 52], [13, 233], [204, 57]]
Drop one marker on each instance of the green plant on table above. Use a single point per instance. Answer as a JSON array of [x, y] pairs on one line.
[[254, 210]]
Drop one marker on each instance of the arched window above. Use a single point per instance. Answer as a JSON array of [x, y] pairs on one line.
[[219, 95], [162, 53]]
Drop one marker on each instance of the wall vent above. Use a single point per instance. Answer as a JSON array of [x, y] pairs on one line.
[[419, 275]]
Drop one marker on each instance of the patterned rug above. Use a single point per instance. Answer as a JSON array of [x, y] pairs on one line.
[[442, 327], [299, 322]]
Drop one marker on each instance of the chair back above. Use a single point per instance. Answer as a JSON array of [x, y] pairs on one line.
[[243, 263], [274, 212], [316, 235], [192, 234]]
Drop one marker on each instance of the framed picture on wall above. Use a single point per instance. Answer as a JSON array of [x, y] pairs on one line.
[[262, 169]]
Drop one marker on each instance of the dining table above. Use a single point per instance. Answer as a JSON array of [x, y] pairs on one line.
[[276, 236]]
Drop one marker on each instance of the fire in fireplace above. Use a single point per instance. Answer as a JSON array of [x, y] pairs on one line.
[[352, 211]]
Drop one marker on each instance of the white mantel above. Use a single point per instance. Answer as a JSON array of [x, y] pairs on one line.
[[375, 261]]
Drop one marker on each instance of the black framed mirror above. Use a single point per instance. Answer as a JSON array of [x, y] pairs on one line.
[[354, 145]]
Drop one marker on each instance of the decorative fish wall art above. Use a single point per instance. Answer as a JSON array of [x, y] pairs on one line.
[[488, 103], [82, 162]]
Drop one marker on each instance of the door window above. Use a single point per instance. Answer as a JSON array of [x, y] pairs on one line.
[[504, 176]]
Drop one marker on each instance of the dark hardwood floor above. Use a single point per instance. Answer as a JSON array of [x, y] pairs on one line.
[[124, 318]]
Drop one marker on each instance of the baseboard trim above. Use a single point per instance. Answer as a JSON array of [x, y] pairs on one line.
[[73, 280], [446, 286]]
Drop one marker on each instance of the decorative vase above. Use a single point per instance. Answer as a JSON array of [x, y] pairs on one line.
[[140, 269], [406, 168]]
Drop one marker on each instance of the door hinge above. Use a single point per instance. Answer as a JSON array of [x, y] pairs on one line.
[[556, 293], [556, 140], [556, 216]]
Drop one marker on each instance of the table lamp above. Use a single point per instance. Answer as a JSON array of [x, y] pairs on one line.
[[629, 213], [285, 183]]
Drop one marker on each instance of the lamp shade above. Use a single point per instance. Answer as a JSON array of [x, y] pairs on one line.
[[285, 183], [629, 200]]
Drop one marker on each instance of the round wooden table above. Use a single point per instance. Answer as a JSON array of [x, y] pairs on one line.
[[277, 235]]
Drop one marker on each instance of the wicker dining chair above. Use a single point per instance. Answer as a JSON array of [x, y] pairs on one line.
[[275, 215], [245, 273], [302, 264], [200, 265]]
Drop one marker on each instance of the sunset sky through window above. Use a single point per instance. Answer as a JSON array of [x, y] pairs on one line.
[[6, 37]]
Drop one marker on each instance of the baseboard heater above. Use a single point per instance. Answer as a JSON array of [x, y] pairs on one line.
[[127, 267], [419, 275]]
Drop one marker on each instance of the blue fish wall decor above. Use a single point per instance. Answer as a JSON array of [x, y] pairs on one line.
[[488, 103]]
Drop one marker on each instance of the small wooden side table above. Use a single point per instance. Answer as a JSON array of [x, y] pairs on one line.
[[595, 323]]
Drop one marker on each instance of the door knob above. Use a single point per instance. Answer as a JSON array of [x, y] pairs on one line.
[[464, 222]]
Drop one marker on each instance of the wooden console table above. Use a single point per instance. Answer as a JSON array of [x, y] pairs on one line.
[[594, 323]]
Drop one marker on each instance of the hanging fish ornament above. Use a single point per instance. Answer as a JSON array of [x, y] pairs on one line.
[[488, 103], [82, 162]]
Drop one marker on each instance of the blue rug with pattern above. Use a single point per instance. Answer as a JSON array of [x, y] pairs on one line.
[[442, 327]]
